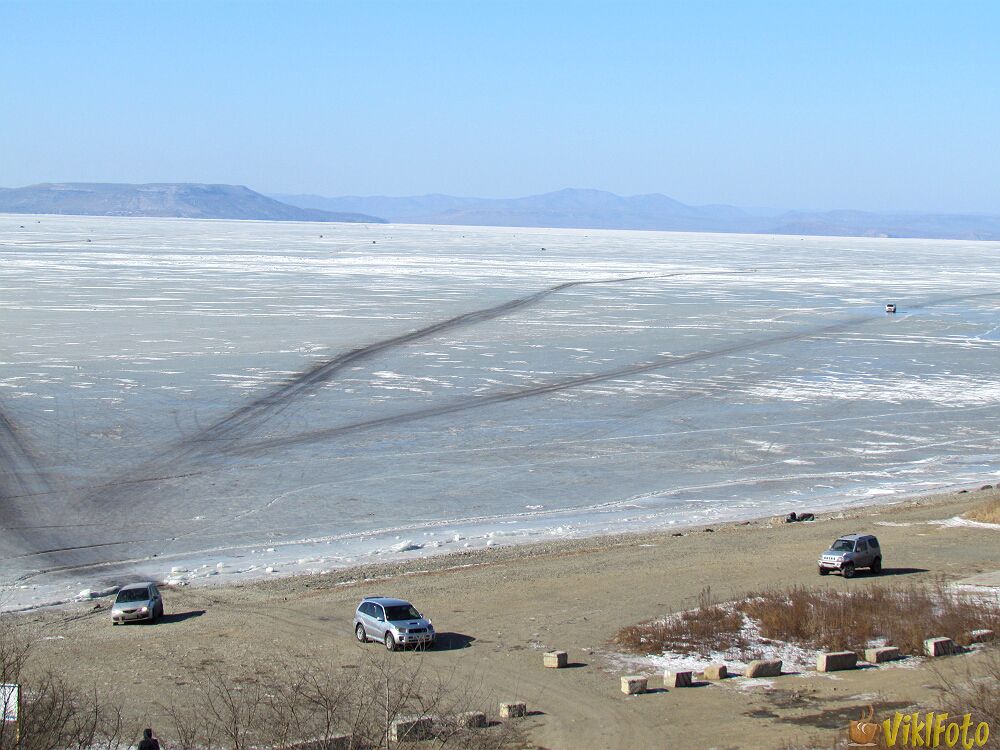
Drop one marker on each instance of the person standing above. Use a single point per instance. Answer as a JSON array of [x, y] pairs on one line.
[[148, 742]]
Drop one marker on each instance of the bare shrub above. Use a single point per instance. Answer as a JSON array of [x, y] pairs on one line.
[[300, 705], [976, 692], [55, 714], [855, 619]]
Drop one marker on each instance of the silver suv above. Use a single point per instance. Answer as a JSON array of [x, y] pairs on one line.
[[394, 622], [848, 553]]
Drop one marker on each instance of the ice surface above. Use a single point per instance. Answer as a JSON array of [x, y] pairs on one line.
[[229, 397]]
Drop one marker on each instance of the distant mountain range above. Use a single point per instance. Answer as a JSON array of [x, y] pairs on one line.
[[597, 209], [570, 208], [186, 200]]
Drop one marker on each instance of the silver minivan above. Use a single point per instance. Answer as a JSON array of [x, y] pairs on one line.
[[394, 622], [850, 552]]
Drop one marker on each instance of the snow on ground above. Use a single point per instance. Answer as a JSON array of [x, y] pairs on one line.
[[296, 397], [795, 659]]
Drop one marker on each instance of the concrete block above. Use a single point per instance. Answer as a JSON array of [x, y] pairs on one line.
[[411, 729], [882, 654], [677, 679], [981, 636], [471, 719], [633, 684], [764, 668], [716, 672], [834, 661], [940, 647], [555, 659], [514, 710]]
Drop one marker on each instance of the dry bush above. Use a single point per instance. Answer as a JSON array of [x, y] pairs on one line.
[[708, 627], [55, 714], [826, 620], [299, 704], [976, 693], [901, 617], [988, 512]]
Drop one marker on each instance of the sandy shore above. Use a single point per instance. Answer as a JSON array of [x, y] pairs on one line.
[[509, 604]]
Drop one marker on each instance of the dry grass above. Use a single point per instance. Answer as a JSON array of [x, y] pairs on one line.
[[709, 626], [823, 620], [988, 512], [902, 617], [977, 693]]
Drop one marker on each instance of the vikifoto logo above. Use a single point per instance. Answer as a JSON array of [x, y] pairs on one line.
[[918, 730]]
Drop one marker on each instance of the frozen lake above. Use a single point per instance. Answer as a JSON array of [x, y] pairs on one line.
[[182, 399]]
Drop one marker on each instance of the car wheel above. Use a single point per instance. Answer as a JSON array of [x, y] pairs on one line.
[[877, 566], [359, 631], [390, 642], [848, 570], [824, 572]]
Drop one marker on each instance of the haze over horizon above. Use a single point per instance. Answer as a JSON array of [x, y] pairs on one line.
[[781, 105]]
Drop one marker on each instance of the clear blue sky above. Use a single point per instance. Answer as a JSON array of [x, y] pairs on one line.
[[809, 104]]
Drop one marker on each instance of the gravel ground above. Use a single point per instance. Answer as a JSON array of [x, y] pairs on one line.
[[502, 607]]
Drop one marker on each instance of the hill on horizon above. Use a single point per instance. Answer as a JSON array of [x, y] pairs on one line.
[[599, 209], [177, 200]]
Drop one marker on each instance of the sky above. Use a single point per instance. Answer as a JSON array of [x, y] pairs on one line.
[[811, 104]]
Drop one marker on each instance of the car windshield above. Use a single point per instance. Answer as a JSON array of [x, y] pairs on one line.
[[843, 545], [133, 595], [401, 612]]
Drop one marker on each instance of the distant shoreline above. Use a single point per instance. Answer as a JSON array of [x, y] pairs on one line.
[[513, 549]]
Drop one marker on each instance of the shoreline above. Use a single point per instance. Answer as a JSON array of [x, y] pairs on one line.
[[499, 609], [505, 549]]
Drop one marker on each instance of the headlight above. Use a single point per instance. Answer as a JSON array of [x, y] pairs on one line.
[[143, 609]]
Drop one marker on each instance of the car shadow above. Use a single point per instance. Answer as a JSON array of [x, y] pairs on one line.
[[890, 572], [451, 642], [179, 616]]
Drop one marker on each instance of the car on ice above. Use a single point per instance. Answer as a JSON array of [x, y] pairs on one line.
[[890, 307], [394, 622], [137, 602], [850, 552]]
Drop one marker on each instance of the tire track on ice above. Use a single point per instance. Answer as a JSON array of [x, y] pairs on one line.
[[251, 415], [21, 476], [477, 402], [192, 451]]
